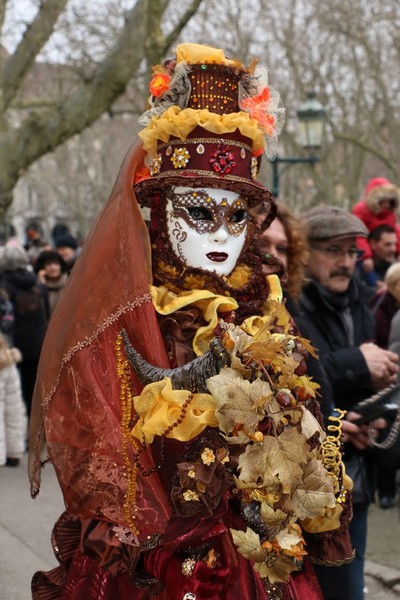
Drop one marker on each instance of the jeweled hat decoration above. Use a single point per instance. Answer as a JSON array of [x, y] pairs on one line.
[[210, 120]]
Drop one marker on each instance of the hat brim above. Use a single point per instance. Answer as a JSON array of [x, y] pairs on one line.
[[254, 191], [339, 236]]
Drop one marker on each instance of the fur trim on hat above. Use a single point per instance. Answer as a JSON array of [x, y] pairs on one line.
[[374, 194]]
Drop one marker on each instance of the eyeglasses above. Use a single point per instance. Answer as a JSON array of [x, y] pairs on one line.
[[336, 252]]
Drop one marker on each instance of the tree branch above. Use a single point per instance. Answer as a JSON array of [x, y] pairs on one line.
[[190, 12], [42, 133], [36, 35], [3, 5], [367, 148]]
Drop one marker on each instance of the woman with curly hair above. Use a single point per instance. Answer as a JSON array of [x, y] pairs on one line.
[[286, 240]]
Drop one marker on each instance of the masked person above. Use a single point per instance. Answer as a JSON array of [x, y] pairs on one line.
[[188, 449]]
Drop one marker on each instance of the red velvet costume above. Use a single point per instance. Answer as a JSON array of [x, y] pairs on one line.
[[105, 552]]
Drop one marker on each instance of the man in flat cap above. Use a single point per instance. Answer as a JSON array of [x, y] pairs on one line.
[[335, 316]]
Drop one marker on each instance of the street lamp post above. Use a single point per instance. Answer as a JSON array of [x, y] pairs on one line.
[[311, 117]]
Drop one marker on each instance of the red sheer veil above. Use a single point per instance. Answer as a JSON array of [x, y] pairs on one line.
[[76, 407]]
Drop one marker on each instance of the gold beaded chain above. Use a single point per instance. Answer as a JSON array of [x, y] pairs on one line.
[[128, 421], [126, 398]]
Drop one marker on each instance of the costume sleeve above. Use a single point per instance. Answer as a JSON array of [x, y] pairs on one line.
[[327, 537], [332, 548]]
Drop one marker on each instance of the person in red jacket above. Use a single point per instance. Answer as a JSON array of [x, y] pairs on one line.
[[378, 207]]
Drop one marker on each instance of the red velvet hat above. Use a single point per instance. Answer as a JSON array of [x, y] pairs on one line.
[[209, 122]]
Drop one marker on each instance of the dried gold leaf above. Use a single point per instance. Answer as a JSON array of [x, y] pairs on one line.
[[288, 537], [310, 387], [248, 544], [315, 494], [240, 340], [253, 461], [277, 569], [272, 518], [308, 346], [264, 352], [275, 411], [281, 456], [238, 401], [286, 457], [310, 425], [277, 315]]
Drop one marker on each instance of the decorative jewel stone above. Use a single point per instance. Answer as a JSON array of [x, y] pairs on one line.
[[242, 153], [188, 566], [208, 456], [155, 164], [222, 160], [180, 157], [200, 149], [254, 167], [168, 151], [190, 496]]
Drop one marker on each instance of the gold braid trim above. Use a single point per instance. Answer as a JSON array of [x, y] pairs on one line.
[[126, 398], [332, 456], [333, 563]]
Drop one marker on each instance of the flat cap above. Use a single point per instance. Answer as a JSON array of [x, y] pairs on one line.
[[326, 221]]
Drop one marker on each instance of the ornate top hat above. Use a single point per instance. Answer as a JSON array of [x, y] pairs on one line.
[[209, 122]]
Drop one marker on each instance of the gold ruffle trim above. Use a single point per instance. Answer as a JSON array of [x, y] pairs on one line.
[[179, 123]]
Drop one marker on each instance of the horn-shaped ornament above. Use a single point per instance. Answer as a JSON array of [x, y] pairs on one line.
[[192, 376]]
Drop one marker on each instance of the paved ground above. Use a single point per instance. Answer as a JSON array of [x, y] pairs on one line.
[[25, 528]]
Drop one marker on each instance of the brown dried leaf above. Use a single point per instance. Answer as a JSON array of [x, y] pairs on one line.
[[238, 401], [286, 458], [265, 351], [277, 569], [240, 339], [310, 425], [308, 346], [277, 315], [272, 518], [275, 411], [315, 494], [248, 544], [288, 537], [282, 456], [253, 462]]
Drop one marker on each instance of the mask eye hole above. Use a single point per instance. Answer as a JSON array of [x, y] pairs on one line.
[[239, 216], [198, 213]]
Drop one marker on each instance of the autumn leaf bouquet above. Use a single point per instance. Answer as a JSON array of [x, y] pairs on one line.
[[275, 441], [253, 437]]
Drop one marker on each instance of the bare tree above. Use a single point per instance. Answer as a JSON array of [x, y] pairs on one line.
[[347, 51], [28, 130]]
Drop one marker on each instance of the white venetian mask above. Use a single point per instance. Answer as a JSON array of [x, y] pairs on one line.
[[207, 227]]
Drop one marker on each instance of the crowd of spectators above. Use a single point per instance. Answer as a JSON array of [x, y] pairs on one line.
[[32, 277]]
